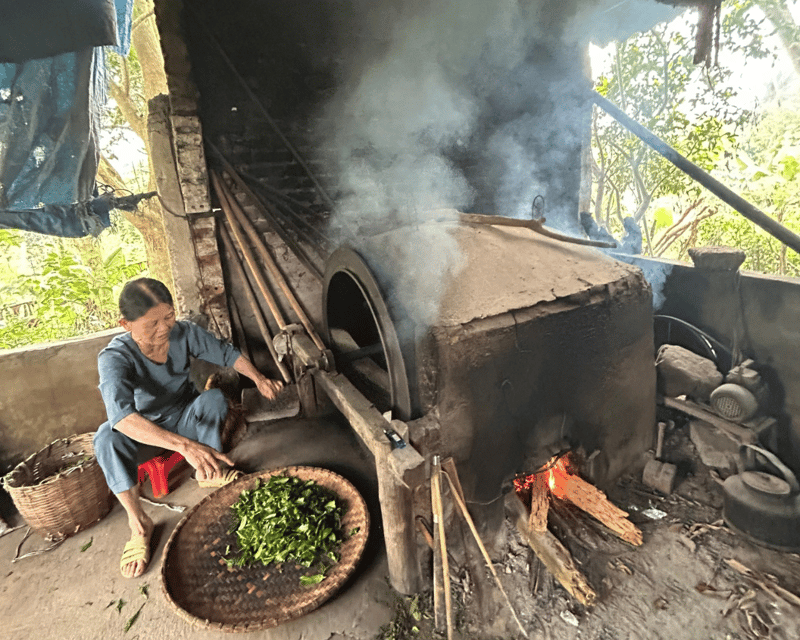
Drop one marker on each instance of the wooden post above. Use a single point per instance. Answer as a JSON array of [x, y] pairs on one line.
[[398, 527]]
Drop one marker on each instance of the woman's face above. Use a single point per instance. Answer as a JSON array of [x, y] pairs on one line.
[[153, 327]]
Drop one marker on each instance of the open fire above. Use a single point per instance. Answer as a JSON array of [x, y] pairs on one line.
[[558, 480]]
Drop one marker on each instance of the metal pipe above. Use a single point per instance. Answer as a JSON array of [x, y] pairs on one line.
[[286, 202], [248, 254], [269, 262], [752, 213], [265, 211], [251, 299]]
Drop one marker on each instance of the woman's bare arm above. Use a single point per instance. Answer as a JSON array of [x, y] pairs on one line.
[[206, 460]]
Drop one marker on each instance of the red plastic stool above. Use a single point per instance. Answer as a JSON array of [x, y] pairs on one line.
[[158, 469]]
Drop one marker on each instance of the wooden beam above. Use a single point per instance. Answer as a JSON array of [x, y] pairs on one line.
[[369, 424], [552, 553], [736, 432]]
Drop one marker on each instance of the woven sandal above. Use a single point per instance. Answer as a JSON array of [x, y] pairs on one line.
[[137, 548], [228, 476]]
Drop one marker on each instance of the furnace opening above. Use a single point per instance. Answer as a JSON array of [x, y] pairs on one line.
[[356, 340], [362, 334]]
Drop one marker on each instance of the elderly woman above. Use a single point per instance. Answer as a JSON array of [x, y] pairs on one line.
[[153, 405]]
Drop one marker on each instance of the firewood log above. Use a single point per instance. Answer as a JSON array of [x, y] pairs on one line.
[[590, 499]]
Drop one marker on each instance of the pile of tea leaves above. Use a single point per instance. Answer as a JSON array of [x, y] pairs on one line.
[[287, 520]]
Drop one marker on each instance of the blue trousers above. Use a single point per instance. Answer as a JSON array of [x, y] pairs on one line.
[[120, 456]]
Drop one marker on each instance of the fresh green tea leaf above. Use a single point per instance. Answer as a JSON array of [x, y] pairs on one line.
[[286, 520], [87, 545], [132, 620], [309, 580]]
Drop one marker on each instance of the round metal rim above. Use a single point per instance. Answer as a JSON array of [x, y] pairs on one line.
[[349, 262]]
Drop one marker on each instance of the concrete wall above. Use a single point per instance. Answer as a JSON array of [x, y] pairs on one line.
[[48, 392], [765, 311]]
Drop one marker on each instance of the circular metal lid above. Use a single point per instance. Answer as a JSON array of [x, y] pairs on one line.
[[766, 483]]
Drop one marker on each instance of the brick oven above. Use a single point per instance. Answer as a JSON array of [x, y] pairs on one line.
[[497, 346], [534, 347]]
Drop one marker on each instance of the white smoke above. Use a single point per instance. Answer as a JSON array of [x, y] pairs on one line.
[[450, 94]]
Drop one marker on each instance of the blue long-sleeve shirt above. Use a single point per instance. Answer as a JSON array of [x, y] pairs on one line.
[[132, 383]]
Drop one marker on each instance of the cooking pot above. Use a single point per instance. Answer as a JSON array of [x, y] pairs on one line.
[[764, 507]]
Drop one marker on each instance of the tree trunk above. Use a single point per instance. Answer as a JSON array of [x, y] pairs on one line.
[[148, 219], [788, 31]]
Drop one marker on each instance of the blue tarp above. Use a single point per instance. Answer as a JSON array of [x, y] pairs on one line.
[[49, 113]]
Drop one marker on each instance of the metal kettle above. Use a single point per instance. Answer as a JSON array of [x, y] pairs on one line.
[[764, 507]]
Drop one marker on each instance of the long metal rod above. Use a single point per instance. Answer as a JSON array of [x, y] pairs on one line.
[[248, 254], [269, 262], [752, 213], [320, 189], [283, 212], [267, 213], [276, 193], [251, 300], [286, 203]]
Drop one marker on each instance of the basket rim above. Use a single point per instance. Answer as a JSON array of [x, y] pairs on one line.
[[11, 482]]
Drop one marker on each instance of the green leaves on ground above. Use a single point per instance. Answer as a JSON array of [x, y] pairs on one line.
[[133, 619], [87, 545], [287, 520]]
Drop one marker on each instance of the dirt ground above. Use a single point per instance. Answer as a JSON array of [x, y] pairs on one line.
[[676, 586], [74, 591]]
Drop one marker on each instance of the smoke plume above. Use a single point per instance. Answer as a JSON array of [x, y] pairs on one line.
[[460, 104]]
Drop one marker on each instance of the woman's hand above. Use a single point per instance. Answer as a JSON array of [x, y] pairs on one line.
[[206, 460], [269, 388], [266, 387]]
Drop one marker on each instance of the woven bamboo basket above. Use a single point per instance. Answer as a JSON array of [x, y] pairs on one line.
[[203, 590], [61, 489]]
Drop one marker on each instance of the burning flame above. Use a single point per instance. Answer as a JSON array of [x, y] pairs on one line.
[[556, 472], [551, 479]]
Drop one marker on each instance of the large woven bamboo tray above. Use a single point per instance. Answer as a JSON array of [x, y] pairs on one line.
[[205, 591]]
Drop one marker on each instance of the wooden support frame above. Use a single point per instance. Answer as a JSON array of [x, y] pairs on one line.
[[399, 470]]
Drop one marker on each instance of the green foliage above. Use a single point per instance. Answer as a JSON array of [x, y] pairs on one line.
[[693, 108], [56, 288], [288, 520]]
